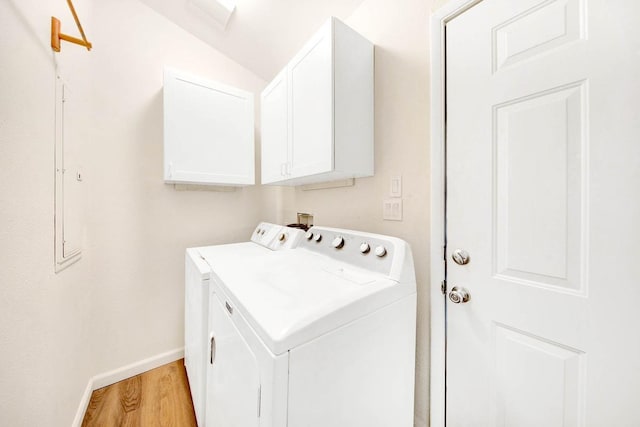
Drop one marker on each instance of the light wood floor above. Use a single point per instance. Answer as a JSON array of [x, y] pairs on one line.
[[159, 397]]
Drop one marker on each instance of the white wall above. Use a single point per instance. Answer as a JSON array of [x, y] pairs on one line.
[[400, 31], [123, 301]]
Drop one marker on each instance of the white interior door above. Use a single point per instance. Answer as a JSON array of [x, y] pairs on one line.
[[543, 193]]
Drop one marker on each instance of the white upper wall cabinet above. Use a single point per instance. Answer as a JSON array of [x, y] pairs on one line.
[[274, 122], [317, 114], [208, 132]]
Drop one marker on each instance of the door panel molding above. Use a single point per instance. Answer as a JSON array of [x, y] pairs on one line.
[[516, 353], [566, 23], [562, 265]]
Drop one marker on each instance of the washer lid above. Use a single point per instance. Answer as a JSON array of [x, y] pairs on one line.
[[221, 254], [291, 297]]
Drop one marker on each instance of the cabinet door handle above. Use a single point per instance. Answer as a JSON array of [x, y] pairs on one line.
[[212, 350]]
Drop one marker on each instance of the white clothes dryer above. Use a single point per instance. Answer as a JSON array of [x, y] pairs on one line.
[[319, 335], [265, 238]]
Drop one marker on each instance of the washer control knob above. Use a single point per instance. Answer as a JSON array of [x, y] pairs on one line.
[[309, 235], [365, 248], [338, 242], [380, 251], [317, 237], [282, 237]]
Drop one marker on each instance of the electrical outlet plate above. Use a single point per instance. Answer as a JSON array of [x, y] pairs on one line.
[[392, 209]]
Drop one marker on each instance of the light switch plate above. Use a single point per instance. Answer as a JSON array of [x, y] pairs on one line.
[[392, 209], [396, 186]]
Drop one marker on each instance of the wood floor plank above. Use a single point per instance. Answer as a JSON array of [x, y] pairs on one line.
[[159, 397], [131, 393], [104, 408]]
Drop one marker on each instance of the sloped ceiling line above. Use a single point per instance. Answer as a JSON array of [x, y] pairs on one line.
[[261, 35]]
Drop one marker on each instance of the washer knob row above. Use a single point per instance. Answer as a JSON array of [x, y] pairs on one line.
[[338, 243], [315, 237]]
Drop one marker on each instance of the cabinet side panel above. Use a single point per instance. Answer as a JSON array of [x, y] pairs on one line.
[[354, 102]]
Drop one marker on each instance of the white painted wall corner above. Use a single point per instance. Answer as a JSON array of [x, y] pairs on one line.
[[122, 373]]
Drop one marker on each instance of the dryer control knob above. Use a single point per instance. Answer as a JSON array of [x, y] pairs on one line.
[[318, 237], [309, 235], [365, 248], [380, 251], [282, 237], [258, 231], [338, 242]]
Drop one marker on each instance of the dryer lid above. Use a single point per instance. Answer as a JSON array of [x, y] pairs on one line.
[[220, 255]]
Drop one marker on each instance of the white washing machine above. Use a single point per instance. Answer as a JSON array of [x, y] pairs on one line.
[[265, 238], [320, 335]]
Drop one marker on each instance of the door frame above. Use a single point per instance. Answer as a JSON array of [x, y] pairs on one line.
[[447, 12]]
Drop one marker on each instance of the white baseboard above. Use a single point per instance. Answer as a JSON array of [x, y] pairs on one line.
[[84, 403], [128, 371], [133, 369]]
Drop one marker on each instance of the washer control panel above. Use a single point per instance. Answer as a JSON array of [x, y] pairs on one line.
[[365, 250], [287, 238], [276, 237], [265, 233]]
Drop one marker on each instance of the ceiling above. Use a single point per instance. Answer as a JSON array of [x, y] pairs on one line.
[[261, 35]]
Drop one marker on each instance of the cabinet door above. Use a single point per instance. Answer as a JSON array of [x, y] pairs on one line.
[[208, 132], [233, 384], [311, 115], [274, 111]]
